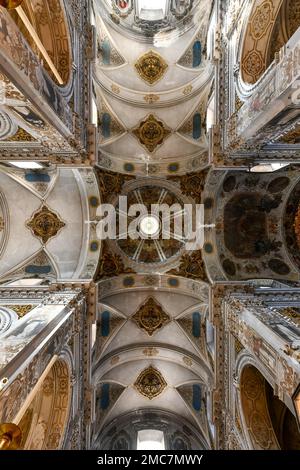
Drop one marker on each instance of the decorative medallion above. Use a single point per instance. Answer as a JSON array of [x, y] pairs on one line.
[[150, 317], [187, 90], [45, 224], [253, 64], [261, 20], [151, 67], [150, 383], [151, 132], [150, 352], [151, 98]]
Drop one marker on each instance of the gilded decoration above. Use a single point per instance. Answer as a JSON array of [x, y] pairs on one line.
[[21, 136], [261, 20], [111, 265], [111, 184], [45, 224], [151, 132], [150, 383], [297, 226], [151, 317], [151, 67], [192, 184], [151, 98], [253, 64], [255, 408], [21, 310], [1, 224], [191, 266], [292, 137], [293, 313], [150, 352]]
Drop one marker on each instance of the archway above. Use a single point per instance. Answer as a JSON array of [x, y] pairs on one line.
[[44, 422], [269, 422], [269, 28]]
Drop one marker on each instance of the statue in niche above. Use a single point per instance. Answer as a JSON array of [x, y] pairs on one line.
[[123, 4], [181, 7], [122, 7]]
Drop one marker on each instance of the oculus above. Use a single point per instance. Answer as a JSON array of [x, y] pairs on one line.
[[45, 224], [150, 383], [151, 133], [151, 67], [151, 317]]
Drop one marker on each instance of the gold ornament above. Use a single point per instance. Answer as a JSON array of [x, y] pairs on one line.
[[151, 67], [10, 436], [21, 310], [10, 4], [151, 317], [45, 224], [150, 383], [151, 133], [21, 136], [151, 98]]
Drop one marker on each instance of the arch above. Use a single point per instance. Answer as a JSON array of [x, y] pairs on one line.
[[49, 21], [45, 420], [270, 424], [270, 26], [179, 433]]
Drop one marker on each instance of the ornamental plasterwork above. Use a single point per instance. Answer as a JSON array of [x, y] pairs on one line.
[[150, 383], [45, 224], [115, 127], [21, 310], [151, 132], [150, 317], [191, 266], [151, 67]]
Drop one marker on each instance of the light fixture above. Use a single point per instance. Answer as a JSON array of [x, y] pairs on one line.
[[149, 226], [296, 402], [27, 165], [10, 4], [10, 436]]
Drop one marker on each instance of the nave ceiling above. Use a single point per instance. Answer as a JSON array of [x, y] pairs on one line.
[[147, 333]]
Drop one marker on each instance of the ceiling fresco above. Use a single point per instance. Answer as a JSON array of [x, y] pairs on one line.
[[150, 222]]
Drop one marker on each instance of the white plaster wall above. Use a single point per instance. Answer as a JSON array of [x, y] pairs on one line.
[[66, 246], [129, 302], [21, 204], [170, 335]]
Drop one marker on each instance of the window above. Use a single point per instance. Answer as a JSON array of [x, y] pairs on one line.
[[150, 439], [152, 10], [27, 165]]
